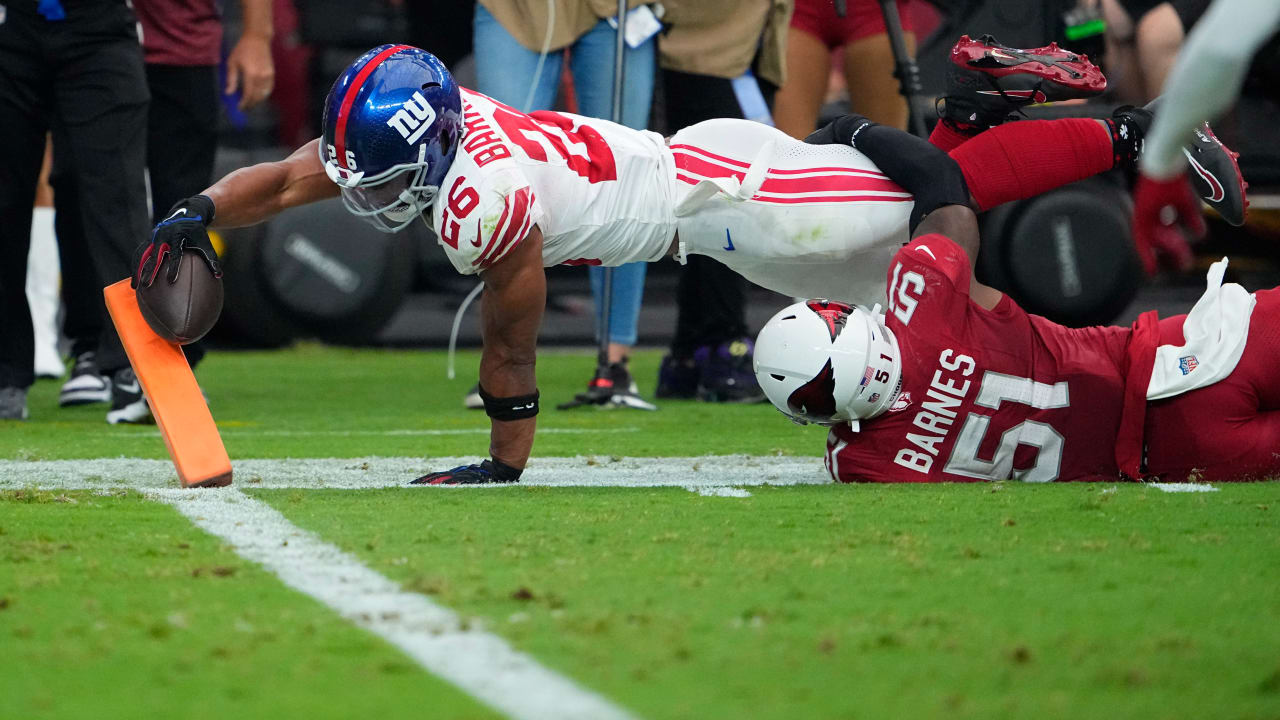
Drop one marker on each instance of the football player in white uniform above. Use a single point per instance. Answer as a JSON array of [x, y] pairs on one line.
[[509, 193]]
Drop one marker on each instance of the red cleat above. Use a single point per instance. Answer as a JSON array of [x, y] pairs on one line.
[[987, 82]]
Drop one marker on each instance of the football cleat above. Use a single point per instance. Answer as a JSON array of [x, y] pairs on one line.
[[1215, 175], [987, 82], [87, 384], [1214, 171]]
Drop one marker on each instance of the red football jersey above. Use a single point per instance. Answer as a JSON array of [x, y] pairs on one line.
[[986, 394]]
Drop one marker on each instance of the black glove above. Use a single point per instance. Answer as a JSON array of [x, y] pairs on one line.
[[183, 229], [487, 472]]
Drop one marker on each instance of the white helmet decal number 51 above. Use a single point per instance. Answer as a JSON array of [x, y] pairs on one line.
[[413, 119]]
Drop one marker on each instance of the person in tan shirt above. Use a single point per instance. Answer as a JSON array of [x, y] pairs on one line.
[[719, 58], [520, 48]]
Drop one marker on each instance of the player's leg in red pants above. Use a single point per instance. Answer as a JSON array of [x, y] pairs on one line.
[[1231, 429], [1018, 160]]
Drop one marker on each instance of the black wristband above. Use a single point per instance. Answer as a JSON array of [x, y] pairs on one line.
[[501, 471], [201, 205], [517, 407]]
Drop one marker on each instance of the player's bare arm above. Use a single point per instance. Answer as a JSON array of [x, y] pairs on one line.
[[515, 294], [256, 193]]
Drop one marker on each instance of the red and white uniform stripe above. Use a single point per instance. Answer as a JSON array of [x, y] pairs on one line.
[[804, 220], [807, 220]]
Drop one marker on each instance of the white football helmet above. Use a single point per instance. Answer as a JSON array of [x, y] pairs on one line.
[[826, 362]]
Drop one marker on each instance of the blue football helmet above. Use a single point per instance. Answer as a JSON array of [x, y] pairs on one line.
[[392, 123]]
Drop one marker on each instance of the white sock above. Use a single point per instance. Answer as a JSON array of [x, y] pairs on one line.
[[43, 283]]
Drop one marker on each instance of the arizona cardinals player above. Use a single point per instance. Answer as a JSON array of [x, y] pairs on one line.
[[510, 193], [956, 383]]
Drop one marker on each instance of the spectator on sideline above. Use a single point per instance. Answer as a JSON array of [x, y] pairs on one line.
[[512, 70], [815, 33], [76, 69], [1143, 38], [719, 58], [182, 44]]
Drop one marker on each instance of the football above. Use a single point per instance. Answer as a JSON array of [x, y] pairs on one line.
[[182, 312]]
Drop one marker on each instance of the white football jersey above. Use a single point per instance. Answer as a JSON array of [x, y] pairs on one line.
[[601, 193], [803, 220]]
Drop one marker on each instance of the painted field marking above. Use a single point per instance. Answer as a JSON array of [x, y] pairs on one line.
[[478, 662], [718, 491], [233, 431], [721, 471], [1182, 487]]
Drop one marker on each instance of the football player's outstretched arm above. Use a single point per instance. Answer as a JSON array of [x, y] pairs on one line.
[[244, 197], [515, 295], [255, 193]]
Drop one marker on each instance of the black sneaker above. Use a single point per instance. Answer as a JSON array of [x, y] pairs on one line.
[[987, 82], [625, 392], [472, 400], [725, 373], [677, 378], [13, 403], [128, 405], [87, 384]]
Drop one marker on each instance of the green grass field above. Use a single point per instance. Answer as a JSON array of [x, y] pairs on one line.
[[761, 601]]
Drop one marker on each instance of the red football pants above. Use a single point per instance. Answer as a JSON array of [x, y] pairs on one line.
[[1231, 429]]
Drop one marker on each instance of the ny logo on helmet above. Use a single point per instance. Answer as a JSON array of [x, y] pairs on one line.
[[413, 119]]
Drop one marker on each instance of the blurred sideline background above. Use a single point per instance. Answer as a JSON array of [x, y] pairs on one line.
[[318, 272]]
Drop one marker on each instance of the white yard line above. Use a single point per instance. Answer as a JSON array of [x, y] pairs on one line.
[[718, 491], [1182, 487], [720, 471], [478, 662], [236, 431]]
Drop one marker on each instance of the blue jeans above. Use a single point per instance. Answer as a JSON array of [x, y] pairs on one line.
[[504, 71]]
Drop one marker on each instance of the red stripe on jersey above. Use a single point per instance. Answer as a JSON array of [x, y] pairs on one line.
[[344, 110], [791, 186], [844, 170], [832, 199], [517, 227], [517, 235], [739, 164], [695, 164], [713, 156], [817, 199], [497, 230]]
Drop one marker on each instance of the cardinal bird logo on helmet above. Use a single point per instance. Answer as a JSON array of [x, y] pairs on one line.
[[834, 314]]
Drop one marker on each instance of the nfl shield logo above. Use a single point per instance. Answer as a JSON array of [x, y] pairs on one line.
[[1187, 363], [902, 402]]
